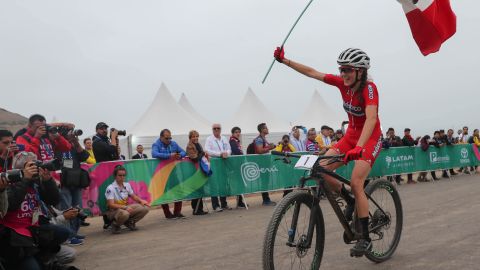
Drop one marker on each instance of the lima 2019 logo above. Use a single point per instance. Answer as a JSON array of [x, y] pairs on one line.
[[250, 171]]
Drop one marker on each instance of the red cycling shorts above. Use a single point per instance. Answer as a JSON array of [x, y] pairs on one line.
[[371, 149]]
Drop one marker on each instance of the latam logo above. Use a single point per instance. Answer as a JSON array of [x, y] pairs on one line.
[[392, 160]]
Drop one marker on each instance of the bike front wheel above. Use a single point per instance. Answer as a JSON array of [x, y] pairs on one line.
[[386, 219], [286, 244]]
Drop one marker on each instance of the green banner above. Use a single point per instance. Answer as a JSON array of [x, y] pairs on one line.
[[165, 181]]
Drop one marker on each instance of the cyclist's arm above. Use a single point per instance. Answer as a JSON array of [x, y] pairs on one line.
[[369, 126], [305, 70]]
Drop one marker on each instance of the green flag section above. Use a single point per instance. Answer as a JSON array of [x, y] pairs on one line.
[[166, 181]]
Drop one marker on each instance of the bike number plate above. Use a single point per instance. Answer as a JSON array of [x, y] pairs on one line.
[[306, 162]]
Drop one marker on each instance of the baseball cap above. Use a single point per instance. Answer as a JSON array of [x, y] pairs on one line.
[[101, 125], [407, 129]]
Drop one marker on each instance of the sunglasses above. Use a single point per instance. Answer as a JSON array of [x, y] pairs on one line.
[[216, 128], [121, 175], [346, 69], [168, 138]]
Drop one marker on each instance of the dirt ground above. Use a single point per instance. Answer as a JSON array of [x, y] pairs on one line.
[[441, 231]]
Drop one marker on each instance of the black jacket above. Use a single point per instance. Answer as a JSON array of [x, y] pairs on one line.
[[137, 156], [48, 190], [103, 149]]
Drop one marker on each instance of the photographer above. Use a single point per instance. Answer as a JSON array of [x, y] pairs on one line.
[[28, 241], [408, 140], [104, 148], [393, 141], [73, 180], [43, 140], [3, 197], [285, 145]]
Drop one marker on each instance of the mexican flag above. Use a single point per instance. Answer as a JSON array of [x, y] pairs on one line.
[[432, 22]]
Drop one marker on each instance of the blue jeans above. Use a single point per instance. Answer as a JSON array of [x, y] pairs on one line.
[[71, 197]]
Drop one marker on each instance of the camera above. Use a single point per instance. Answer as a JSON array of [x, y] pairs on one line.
[[52, 165], [77, 132], [21, 147], [12, 176], [120, 132], [51, 129], [80, 214]]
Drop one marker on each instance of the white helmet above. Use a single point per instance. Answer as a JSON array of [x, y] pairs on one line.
[[354, 57]]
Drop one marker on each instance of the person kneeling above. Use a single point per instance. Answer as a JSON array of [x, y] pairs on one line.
[[120, 211]]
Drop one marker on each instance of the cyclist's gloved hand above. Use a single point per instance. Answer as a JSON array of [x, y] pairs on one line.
[[279, 54], [353, 154]]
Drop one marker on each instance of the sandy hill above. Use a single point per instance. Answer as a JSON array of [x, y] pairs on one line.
[[12, 121]]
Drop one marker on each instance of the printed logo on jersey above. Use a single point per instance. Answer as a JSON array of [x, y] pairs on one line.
[[370, 92], [377, 148], [355, 110]]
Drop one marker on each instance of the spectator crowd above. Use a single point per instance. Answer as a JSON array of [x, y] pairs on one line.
[[42, 180]]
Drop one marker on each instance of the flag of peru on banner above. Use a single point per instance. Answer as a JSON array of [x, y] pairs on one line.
[[432, 22]]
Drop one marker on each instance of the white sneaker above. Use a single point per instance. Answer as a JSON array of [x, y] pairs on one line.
[[218, 209]]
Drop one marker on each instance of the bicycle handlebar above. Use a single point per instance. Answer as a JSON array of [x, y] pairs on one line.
[[277, 153]]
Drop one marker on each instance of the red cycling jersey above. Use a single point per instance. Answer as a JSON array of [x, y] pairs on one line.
[[355, 103]]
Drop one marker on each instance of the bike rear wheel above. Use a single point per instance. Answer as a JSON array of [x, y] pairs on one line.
[[386, 219], [280, 253]]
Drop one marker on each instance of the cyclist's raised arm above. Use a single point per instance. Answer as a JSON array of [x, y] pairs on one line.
[[305, 70]]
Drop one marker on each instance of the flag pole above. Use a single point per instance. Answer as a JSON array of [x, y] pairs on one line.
[[285, 40]]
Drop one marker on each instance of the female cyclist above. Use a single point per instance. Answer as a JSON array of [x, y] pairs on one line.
[[362, 141]]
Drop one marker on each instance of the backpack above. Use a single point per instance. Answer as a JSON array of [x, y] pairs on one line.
[[251, 146]]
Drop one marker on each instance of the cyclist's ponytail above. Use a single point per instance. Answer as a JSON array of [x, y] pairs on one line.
[[363, 83]]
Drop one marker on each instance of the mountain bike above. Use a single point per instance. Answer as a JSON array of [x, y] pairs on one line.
[[295, 236]]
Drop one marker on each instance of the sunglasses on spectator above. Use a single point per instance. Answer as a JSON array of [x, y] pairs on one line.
[[168, 138], [216, 128], [346, 69], [121, 175]]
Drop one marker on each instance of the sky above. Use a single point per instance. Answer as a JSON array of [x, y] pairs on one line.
[[89, 61]]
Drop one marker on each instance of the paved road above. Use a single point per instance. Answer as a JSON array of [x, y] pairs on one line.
[[441, 231]]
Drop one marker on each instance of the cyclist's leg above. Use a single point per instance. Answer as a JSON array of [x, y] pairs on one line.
[[345, 144], [360, 172], [333, 184], [359, 175]]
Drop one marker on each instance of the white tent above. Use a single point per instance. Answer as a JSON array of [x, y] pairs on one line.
[[251, 112], [163, 112], [187, 106], [318, 113]]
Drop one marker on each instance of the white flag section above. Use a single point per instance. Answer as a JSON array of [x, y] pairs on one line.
[[432, 22]]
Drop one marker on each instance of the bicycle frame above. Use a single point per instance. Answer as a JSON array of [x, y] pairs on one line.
[[316, 174]]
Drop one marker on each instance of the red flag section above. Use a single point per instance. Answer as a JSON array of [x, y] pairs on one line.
[[432, 22]]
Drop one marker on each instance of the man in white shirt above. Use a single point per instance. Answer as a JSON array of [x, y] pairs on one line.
[[296, 140], [218, 146], [120, 211]]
